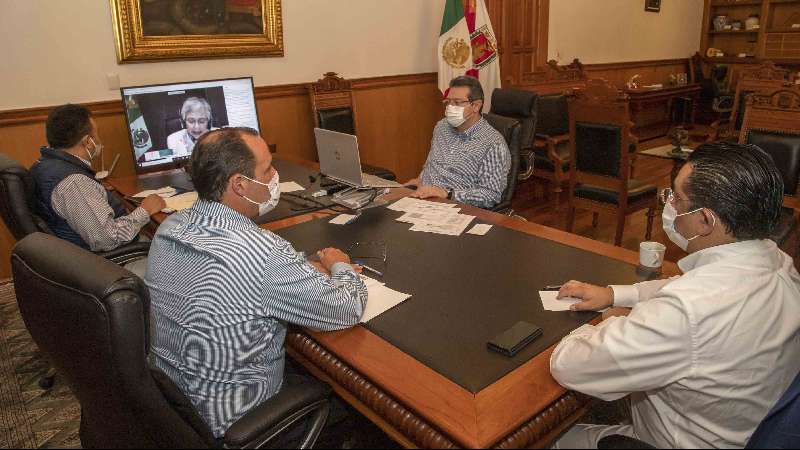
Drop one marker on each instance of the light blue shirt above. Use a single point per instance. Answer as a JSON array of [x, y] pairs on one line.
[[222, 292], [474, 164]]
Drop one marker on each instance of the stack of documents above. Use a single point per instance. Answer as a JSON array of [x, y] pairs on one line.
[[166, 191], [432, 217], [381, 299], [180, 202], [291, 186]]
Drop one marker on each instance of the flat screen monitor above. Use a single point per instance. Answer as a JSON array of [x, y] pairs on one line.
[[166, 120]]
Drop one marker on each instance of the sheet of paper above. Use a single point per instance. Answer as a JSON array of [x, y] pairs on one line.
[[480, 229], [433, 216], [452, 225], [166, 191], [342, 219], [551, 303], [408, 204], [180, 202], [381, 299], [291, 186]]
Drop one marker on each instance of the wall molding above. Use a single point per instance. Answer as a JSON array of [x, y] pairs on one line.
[[635, 64], [25, 116]]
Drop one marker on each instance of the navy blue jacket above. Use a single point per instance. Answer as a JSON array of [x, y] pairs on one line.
[[781, 427], [51, 169]]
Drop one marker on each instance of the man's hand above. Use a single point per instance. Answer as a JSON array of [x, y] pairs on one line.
[[429, 192], [153, 204], [595, 298], [318, 265], [330, 256]]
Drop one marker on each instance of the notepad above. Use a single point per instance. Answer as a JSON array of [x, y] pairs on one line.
[[342, 219], [551, 303], [480, 229], [180, 202], [291, 186], [166, 191], [381, 299]]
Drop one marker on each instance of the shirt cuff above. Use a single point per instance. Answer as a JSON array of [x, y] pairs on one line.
[[341, 267], [140, 216], [625, 296]]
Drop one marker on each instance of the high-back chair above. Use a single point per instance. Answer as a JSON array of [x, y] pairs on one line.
[[91, 318], [762, 78], [772, 122], [510, 129], [334, 109], [599, 129], [522, 106]]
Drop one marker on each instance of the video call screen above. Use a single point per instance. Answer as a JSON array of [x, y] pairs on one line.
[[166, 120]]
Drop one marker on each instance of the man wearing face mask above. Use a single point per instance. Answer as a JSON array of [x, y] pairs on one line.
[[469, 160], [74, 205], [706, 355], [223, 290]]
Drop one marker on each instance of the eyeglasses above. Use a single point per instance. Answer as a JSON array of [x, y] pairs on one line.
[[368, 251], [456, 102], [197, 121], [668, 196]]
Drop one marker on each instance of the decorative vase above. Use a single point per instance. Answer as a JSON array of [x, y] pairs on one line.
[[752, 22], [720, 22]]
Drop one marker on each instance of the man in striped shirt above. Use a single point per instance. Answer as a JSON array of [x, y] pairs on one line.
[[223, 290], [469, 160]]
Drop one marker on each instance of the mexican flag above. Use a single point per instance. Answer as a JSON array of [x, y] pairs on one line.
[[455, 53], [467, 46], [140, 137], [485, 57]]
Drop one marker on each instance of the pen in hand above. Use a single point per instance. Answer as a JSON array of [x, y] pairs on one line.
[[552, 288], [370, 269]]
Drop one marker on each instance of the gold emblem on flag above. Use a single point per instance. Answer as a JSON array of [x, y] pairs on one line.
[[456, 52]]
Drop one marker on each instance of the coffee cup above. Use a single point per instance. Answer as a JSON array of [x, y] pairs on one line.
[[651, 254]]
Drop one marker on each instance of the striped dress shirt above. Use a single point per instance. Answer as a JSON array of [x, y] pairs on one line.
[[474, 164], [222, 293], [83, 203]]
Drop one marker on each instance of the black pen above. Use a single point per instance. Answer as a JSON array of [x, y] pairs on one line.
[[552, 288]]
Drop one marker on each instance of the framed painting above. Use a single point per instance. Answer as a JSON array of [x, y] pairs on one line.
[[652, 5], [148, 30]]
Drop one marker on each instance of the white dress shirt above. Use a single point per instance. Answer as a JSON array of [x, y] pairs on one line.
[[705, 355]]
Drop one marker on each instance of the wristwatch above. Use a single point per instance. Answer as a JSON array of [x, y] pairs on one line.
[[449, 193]]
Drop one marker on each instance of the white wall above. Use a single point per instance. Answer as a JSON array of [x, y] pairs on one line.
[[55, 51], [603, 31]]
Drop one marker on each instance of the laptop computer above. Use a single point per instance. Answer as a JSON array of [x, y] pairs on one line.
[[340, 161]]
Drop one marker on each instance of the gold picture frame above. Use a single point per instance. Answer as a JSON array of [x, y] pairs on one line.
[[158, 30]]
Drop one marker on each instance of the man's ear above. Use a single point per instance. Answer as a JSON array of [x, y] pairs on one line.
[[236, 184], [708, 220], [478, 106]]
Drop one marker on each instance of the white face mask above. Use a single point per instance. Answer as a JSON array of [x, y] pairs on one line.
[[455, 115], [98, 150], [274, 186], [668, 218]]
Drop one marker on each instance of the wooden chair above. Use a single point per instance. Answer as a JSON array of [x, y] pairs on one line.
[[333, 109], [772, 122], [599, 130], [762, 78]]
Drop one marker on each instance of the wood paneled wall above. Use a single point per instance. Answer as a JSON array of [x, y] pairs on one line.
[[396, 115]]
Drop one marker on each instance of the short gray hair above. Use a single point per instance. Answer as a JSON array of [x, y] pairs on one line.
[[193, 104]]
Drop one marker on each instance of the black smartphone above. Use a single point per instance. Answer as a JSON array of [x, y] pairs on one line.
[[514, 339]]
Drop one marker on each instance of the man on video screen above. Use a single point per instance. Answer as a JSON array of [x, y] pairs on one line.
[[196, 118]]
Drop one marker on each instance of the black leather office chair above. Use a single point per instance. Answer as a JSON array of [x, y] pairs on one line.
[[522, 106], [91, 318], [510, 129], [17, 208]]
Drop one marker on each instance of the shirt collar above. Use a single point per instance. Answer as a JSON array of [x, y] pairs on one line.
[[217, 210], [716, 253]]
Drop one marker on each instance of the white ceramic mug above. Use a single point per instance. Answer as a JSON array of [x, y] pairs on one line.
[[651, 254]]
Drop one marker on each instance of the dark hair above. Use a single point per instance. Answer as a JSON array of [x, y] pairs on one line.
[[475, 88], [217, 156], [741, 184], [67, 124]]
